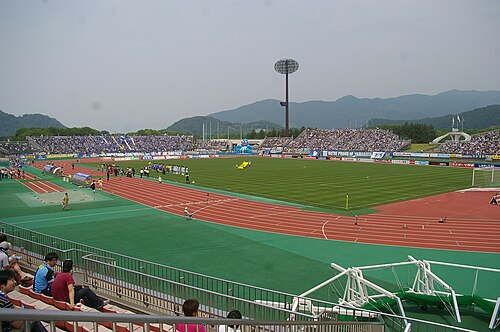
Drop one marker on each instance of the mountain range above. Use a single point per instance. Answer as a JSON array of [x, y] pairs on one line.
[[346, 112], [10, 123], [479, 118], [216, 128], [353, 112]]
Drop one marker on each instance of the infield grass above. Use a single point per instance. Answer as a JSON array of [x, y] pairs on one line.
[[318, 183]]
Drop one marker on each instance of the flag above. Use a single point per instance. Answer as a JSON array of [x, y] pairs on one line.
[[458, 118], [453, 121]]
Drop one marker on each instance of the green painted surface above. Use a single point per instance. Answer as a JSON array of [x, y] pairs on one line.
[[287, 263], [319, 183]]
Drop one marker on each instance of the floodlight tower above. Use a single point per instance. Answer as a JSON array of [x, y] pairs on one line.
[[286, 66]]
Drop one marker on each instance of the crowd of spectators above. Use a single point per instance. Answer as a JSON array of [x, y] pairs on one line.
[[15, 148], [275, 142], [212, 144], [487, 143], [109, 144], [310, 139], [348, 140]]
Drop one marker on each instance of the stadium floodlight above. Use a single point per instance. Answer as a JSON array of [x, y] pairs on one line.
[[286, 66]]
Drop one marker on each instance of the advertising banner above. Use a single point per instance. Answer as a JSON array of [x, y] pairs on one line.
[[67, 155], [438, 163], [401, 161], [378, 155], [455, 164], [365, 160], [440, 155]]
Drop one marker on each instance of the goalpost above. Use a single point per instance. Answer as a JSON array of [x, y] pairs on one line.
[[485, 177]]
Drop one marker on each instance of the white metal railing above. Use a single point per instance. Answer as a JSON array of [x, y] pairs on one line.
[[139, 285], [169, 323]]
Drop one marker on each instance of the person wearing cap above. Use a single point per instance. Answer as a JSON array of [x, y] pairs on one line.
[[64, 289], [10, 263]]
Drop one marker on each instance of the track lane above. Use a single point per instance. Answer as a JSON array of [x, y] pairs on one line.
[[409, 228]]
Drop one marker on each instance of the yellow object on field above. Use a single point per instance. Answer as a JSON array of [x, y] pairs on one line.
[[243, 165]]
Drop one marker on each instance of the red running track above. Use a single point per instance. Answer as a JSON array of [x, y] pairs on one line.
[[40, 187], [471, 223]]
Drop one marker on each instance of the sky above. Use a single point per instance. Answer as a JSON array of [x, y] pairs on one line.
[[123, 65]]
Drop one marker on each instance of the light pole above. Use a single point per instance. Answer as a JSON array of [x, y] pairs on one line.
[[286, 66]]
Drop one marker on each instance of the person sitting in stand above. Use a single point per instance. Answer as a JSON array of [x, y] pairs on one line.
[[234, 314], [64, 289], [11, 263], [190, 309], [44, 276], [7, 285]]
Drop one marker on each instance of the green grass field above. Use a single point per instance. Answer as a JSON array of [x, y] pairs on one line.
[[318, 183], [281, 262]]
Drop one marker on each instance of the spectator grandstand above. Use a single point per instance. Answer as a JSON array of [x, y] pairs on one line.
[[348, 140], [481, 144], [275, 142], [14, 148], [109, 144], [212, 145], [310, 139]]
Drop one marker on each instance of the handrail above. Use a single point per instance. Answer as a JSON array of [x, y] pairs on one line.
[[168, 293], [49, 315], [53, 315], [76, 244]]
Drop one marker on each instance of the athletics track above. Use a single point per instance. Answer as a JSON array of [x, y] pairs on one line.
[[471, 224], [40, 186]]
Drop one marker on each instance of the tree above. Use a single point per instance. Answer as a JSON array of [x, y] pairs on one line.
[[416, 132]]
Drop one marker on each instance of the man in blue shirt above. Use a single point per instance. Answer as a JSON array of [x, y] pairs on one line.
[[44, 276]]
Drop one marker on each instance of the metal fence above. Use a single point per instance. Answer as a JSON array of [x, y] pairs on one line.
[[161, 289], [87, 321]]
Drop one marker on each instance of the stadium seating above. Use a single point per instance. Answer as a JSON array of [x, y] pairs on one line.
[[482, 144]]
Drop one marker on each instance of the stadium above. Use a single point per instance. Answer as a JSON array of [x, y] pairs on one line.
[[341, 230]]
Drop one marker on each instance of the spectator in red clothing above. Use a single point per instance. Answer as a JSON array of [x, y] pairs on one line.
[[190, 309], [64, 289]]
